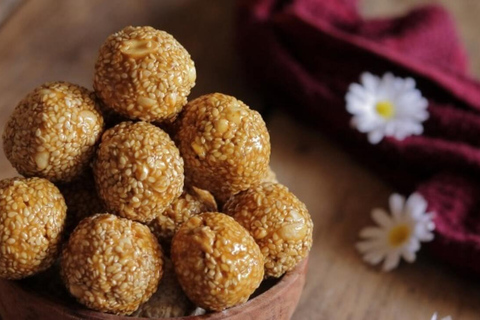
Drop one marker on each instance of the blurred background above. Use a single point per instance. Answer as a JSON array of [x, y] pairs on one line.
[[48, 40]]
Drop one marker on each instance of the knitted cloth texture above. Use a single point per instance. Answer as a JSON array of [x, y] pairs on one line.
[[303, 54]]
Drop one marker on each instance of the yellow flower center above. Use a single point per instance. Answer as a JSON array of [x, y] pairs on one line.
[[385, 108], [398, 235]]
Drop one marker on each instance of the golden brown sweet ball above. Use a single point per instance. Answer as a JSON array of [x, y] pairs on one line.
[[32, 218], [225, 144], [279, 223], [217, 262], [192, 201], [169, 300], [111, 264], [144, 73], [53, 131], [82, 199], [138, 171]]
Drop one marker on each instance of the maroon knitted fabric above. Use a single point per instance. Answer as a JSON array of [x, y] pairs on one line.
[[303, 54]]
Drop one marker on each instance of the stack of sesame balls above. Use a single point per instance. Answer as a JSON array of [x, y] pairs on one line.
[[143, 221]]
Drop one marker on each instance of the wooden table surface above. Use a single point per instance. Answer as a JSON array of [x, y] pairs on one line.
[[46, 40]]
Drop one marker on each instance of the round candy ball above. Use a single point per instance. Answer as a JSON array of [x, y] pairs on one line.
[[225, 145], [192, 201], [53, 131], [144, 73], [217, 262], [279, 223], [138, 171], [32, 218], [111, 264]]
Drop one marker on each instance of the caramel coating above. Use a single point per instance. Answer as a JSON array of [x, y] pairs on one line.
[[217, 262], [144, 73], [32, 218], [192, 201], [279, 223], [138, 171], [169, 300], [111, 264], [53, 131], [225, 145]]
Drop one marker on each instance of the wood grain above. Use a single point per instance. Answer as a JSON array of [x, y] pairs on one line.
[[7, 7], [61, 43]]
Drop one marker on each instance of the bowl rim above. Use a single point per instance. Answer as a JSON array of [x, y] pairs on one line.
[[83, 313]]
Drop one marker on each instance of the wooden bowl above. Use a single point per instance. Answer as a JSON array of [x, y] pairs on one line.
[[278, 302]]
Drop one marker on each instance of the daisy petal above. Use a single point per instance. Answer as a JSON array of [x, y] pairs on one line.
[[371, 232], [365, 123], [375, 136], [434, 317], [409, 256], [391, 261], [416, 205], [369, 81], [365, 246], [381, 217], [413, 245], [373, 258], [396, 203], [425, 236]]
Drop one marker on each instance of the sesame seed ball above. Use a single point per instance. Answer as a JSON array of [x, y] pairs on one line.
[[144, 73], [138, 171], [192, 201], [111, 264], [169, 300], [217, 262], [32, 218], [279, 223], [53, 131], [225, 144]]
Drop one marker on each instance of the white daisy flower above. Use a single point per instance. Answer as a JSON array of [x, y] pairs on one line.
[[399, 234], [434, 317], [386, 107]]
